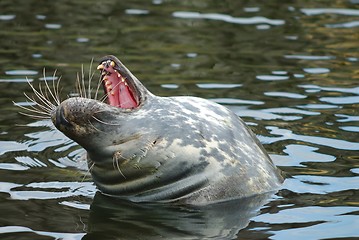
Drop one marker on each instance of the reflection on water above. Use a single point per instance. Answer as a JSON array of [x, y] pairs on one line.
[[289, 69], [112, 217]]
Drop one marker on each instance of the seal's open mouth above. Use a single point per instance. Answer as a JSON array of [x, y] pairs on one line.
[[118, 84]]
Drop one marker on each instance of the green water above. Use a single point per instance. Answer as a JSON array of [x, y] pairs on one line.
[[290, 69]]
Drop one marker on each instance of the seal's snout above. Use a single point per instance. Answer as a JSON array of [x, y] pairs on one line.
[[74, 117], [59, 118]]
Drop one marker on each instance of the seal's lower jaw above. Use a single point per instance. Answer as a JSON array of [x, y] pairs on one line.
[[118, 85]]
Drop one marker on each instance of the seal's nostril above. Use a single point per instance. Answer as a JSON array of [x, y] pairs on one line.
[[60, 118]]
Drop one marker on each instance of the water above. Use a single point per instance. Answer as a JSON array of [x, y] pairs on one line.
[[289, 69]]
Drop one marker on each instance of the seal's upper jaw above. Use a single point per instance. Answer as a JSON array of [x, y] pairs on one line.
[[119, 84]]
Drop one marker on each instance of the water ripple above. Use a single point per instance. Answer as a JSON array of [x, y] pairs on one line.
[[13, 167], [21, 72], [170, 86], [217, 85], [136, 11], [339, 11], [76, 204], [53, 26], [285, 134], [350, 128], [40, 17], [354, 90], [16, 80], [316, 70], [347, 118], [11, 146], [318, 222], [323, 185], [290, 110], [263, 115], [45, 139], [298, 154], [7, 17], [318, 106], [306, 57], [54, 235], [344, 25], [285, 94], [235, 101], [272, 78], [26, 160], [45, 190], [227, 18], [341, 100]]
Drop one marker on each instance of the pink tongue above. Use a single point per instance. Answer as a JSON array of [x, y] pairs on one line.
[[126, 99], [122, 96]]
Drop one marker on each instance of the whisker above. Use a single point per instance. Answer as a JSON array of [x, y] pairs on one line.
[[98, 86], [103, 99], [44, 89], [90, 79], [45, 95], [100, 121], [34, 116], [43, 107], [41, 97], [95, 127], [31, 99], [43, 102], [116, 160], [83, 80], [78, 85], [58, 91], [88, 171], [48, 88], [55, 88], [33, 109]]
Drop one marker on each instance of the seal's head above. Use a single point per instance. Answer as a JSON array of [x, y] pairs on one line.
[[84, 120]]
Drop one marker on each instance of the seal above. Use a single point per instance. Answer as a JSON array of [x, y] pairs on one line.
[[147, 148]]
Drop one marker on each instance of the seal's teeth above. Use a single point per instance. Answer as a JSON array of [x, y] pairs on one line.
[[100, 67], [105, 78], [113, 64], [121, 78], [112, 93], [108, 83]]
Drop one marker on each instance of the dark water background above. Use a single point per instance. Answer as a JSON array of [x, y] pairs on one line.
[[290, 69]]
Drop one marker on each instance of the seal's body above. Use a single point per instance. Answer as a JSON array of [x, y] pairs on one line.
[[173, 149]]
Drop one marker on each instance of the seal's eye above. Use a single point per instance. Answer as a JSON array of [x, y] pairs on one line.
[[117, 88]]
